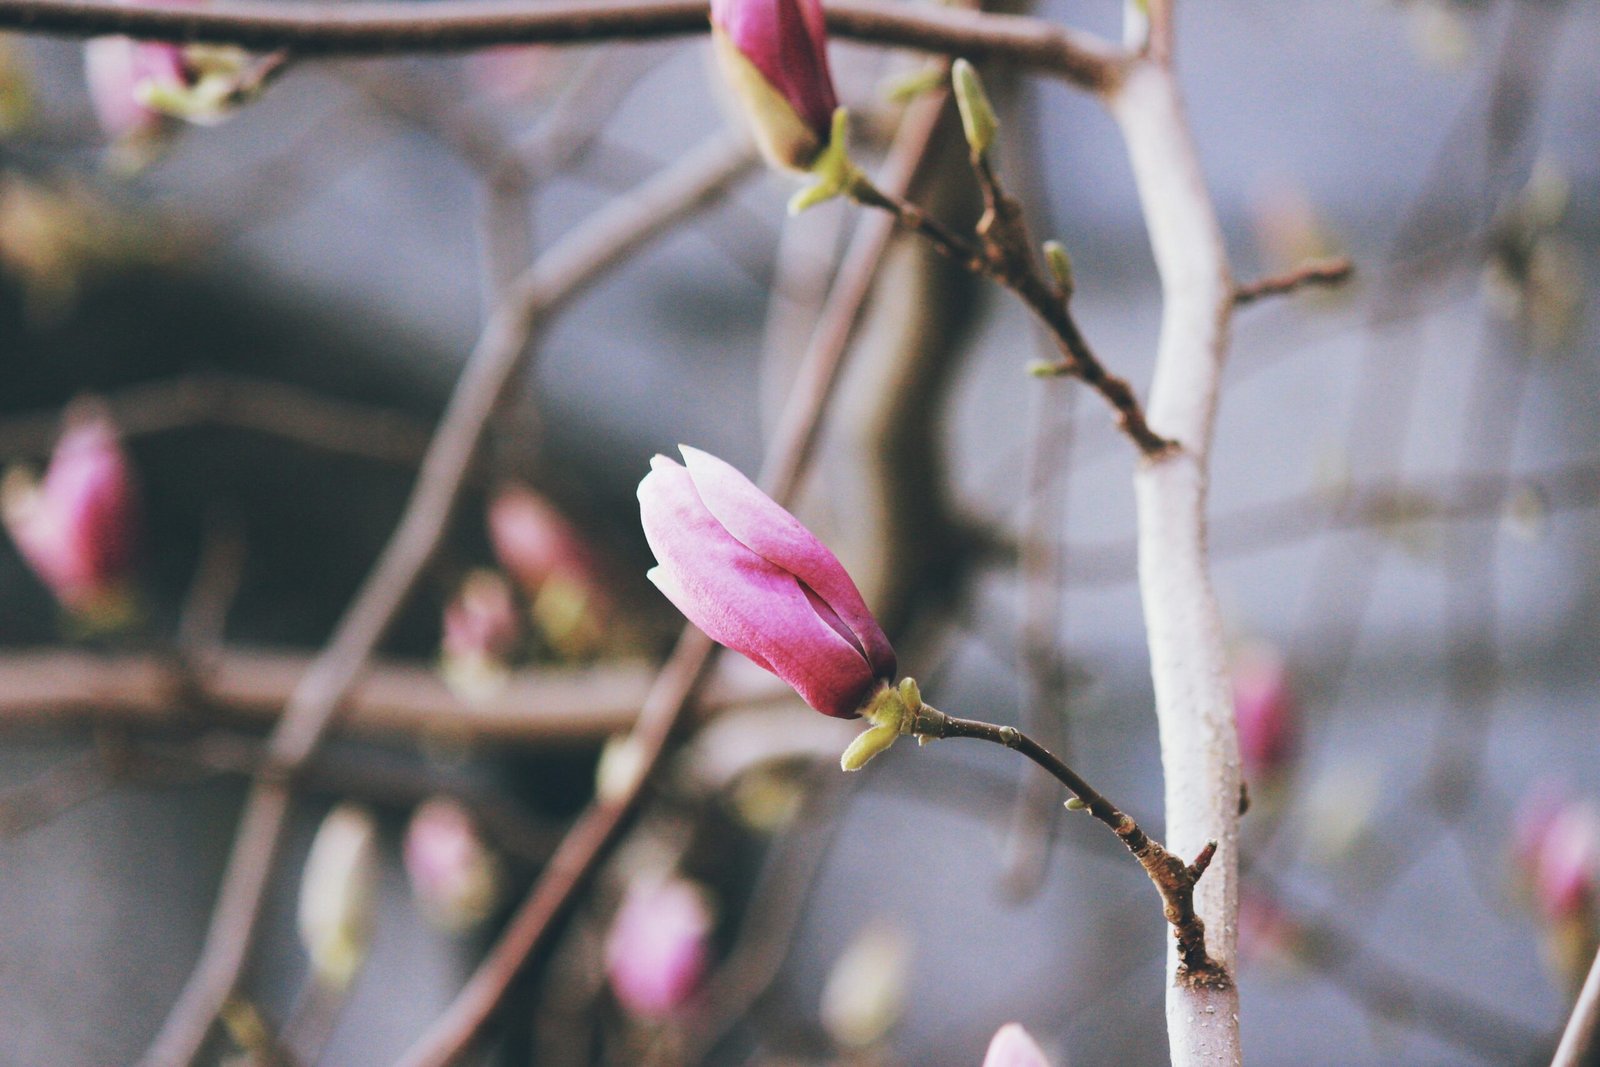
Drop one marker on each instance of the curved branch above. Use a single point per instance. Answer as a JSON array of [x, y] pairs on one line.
[[456, 25]]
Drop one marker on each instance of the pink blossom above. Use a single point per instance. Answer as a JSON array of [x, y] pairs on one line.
[[656, 952], [1566, 866], [1264, 707], [1012, 1046], [534, 542], [774, 54], [117, 70], [481, 622], [752, 577], [454, 876], [78, 527]]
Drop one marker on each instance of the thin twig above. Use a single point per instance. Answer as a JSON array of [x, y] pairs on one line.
[[595, 246], [601, 824], [1174, 879], [454, 25], [1004, 253], [1317, 273]]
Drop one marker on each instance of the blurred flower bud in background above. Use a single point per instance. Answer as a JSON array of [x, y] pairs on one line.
[[553, 566], [1012, 1046], [1556, 860], [1264, 707], [867, 989], [659, 945], [480, 636], [336, 895], [16, 85], [78, 528], [455, 878]]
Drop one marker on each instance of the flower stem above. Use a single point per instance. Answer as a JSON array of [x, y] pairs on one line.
[[1174, 879]]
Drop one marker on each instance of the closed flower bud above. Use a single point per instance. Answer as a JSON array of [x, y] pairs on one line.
[[1263, 705], [753, 578], [1012, 1046], [454, 876], [336, 895], [78, 527], [774, 57], [547, 557], [480, 634], [657, 950], [866, 991], [119, 72]]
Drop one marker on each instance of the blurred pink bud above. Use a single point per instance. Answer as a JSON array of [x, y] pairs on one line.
[[119, 70], [454, 877], [774, 56], [1566, 872], [480, 635], [78, 528], [1264, 708], [753, 578], [1265, 929], [1012, 1046], [656, 952], [534, 542]]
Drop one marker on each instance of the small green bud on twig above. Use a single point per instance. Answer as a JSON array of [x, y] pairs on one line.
[[1075, 804], [1060, 264], [977, 116], [909, 86]]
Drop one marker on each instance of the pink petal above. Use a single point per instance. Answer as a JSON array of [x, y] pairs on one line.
[[786, 40], [765, 528], [1012, 1046], [656, 952], [743, 600]]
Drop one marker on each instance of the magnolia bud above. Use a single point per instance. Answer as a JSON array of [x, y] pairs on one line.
[[865, 994], [1012, 1046], [657, 949], [454, 877], [977, 114], [1263, 704], [774, 57], [480, 635], [78, 527], [336, 895]]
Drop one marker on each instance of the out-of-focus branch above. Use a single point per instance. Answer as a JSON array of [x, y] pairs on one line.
[[1188, 664], [1320, 273], [255, 404], [455, 25], [601, 242], [540, 706], [1581, 1039]]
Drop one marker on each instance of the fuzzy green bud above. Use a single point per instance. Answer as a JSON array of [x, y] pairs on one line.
[[1060, 264], [977, 116]]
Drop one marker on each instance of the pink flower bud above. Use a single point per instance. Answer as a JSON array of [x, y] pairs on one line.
[[78, 527], [753, 578], [1264, 709], [454, 877], [1566, 873], [119, 70], [534, 542], [480, 635], [656, 952], [774, 56], [1012, 1046]]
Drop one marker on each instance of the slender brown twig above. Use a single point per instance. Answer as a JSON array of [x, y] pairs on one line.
[[1174, 879], [603, 241], [453, 25], [1581, 1039], [602, 823], [1004, 252], [1317, 273]]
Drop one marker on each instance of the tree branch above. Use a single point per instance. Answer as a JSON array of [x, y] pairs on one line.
[[1581, 1038], [1194, 710], [454, 25], [593, 247]]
